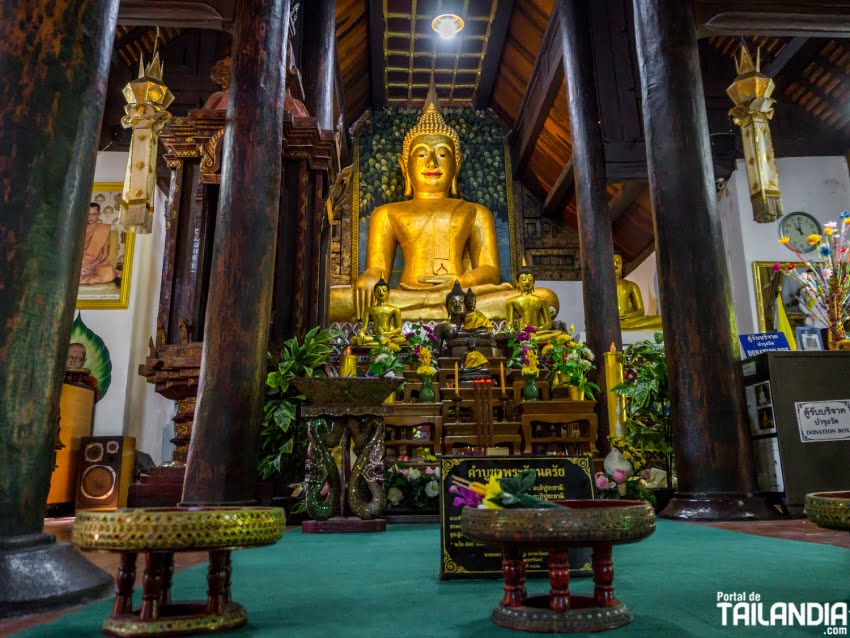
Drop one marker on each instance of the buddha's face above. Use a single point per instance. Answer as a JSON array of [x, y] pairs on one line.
[[525, 282], [382, 293], [431, 166], [76, 356], [469, 303], [454, 305], [618, 266]]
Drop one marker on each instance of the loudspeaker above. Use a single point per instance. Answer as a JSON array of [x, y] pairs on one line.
[[106, 471]]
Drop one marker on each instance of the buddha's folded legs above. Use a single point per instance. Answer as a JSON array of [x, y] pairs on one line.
[[430, 305]]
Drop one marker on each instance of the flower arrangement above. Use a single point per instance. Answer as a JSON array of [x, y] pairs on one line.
[[406, 484], [420, 335], [625, 475], [524, 352], [572, 361], [425, 366], [385, 359], [827, 280], [499, 492]]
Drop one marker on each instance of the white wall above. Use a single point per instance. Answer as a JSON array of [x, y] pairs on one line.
[[819, 186], [572, 303], [131, 406]]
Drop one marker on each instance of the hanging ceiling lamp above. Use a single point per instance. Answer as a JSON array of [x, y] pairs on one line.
[[448, 25]]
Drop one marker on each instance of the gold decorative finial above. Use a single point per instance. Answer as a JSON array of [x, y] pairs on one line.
[[524, 265], [744, 63], [431, 122]]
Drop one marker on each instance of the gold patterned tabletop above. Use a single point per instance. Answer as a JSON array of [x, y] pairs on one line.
[[830, 510], [582, 522], [178, 529]]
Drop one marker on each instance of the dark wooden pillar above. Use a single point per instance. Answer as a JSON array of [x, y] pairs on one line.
[[713, 458], [596, 243], [318, 60], [221, 468], [55, 60]]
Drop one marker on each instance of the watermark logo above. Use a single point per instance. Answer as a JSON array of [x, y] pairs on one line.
[[747, 609]]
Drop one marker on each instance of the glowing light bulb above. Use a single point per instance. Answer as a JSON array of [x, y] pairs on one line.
[[448, 25]]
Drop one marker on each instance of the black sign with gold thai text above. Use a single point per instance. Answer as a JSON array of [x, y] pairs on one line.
[[558, 478]]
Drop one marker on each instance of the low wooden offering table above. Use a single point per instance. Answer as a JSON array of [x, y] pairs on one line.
[[158, 533], [339, 411], [830, 510], [582, 523]]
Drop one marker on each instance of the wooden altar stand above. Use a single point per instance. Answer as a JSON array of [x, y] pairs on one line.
[[576, 420]]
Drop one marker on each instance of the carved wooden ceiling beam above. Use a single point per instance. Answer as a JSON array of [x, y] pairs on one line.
[[546, 78], [561, 193]]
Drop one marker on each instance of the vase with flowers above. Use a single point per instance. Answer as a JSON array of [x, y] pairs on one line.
[[426, 372], [572, 362], [624, 474], [826, 279], [524, 356], [385, 361]]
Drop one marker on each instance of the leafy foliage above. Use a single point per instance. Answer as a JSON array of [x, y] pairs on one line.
[[648, 420], [413, 487], [514, 492], [283, 437]]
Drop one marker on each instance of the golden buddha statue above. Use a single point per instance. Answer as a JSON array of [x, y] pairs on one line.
[[529, 309], [442, 238], [630, 303], [386, 319], [474, 320]]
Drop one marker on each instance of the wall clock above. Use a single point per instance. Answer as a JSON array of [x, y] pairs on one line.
[[797, 227]]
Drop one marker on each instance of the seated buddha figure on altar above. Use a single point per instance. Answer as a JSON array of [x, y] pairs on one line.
[[474, 320], [630, 303], [529, 308], [385, 318], [442, 238]]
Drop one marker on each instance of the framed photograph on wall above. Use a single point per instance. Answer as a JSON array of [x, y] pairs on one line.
[[808, 338], [107, 253]]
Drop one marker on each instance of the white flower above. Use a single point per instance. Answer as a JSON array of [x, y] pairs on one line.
[[394, 495], [414, 474], [382, 357], [832, 225], [432, 489]]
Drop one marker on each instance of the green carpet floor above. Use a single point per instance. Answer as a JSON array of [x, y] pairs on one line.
[[386, 585]]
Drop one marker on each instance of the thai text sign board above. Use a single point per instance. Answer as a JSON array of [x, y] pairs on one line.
[[558, 478], [763, 342], [823, 420]]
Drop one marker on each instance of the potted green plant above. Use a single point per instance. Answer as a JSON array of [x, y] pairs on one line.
[[283, 435], [648, 423]]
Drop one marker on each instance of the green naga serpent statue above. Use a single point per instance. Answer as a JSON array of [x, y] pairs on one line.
[[367, 475]]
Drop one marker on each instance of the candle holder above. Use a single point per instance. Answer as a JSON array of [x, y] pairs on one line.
[[613, 366], [348, 365]]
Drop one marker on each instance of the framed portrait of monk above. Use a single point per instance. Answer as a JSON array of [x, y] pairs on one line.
[[107, 253]]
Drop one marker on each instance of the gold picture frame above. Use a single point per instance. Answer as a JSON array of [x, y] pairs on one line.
[[768, 285], [101, 296]]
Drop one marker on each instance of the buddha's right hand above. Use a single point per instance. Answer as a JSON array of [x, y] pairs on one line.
[[364, 292]]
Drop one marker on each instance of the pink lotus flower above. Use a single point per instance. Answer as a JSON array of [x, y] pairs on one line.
[[602, 482], [404, 471], [429, 470], [619, 475]]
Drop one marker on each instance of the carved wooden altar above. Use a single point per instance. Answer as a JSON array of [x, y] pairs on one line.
[[193, 153]]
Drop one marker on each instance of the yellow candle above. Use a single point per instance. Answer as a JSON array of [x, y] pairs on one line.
[[457, 381], [502, 375], [613, 368], [348, 364]]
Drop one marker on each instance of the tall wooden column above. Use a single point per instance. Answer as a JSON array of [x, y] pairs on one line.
[[713, 457], [596, 243], [55, 62], [318, 60], [222, 462]]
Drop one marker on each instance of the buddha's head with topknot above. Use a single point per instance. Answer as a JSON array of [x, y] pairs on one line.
[[430, 154]]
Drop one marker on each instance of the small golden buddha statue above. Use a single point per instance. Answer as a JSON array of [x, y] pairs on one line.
[[386, 319], [630, 303], [474, 320], [442, 238], [529, 309]]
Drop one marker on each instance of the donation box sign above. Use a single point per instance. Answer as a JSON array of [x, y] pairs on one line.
[[821, 421], [558, 478]]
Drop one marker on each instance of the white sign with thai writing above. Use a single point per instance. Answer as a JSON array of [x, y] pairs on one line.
[[823, 420]]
